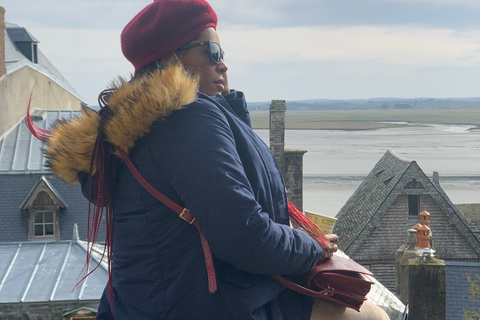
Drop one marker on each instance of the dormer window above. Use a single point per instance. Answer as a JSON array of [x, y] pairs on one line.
[[25, 42], [42, 206]]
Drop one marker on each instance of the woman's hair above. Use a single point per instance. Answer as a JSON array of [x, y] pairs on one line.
[[149, 69]]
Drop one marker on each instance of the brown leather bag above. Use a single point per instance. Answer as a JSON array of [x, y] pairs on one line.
[[338, 280]]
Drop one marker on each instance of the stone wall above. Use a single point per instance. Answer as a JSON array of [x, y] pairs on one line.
[[42, 310], [293, 176], [15, 91]]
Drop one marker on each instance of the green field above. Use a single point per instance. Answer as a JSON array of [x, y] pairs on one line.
[[369, 119]]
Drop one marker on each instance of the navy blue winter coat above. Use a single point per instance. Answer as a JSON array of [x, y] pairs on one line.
[[206, 157]]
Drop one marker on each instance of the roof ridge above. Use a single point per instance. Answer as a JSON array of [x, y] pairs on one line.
[[398, 157]]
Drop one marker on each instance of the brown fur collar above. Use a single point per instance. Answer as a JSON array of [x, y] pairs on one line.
[[134, 105]]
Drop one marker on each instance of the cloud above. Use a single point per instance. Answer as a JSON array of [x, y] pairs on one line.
[[462, 14], [291, 49], [385, 45]]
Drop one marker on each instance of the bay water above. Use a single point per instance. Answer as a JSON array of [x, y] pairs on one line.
[[338, 161]]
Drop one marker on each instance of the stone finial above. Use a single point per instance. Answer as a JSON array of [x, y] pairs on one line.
[[411, 239], [436, 178], [75, 238]]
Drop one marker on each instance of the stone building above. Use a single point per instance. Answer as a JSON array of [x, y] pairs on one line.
[[40, 261], [23, 66], [373, 223]]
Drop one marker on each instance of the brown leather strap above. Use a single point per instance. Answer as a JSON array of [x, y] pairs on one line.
[[327, 292], [182, 212]]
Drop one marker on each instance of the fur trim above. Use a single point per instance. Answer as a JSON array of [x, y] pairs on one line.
[[134, 106]]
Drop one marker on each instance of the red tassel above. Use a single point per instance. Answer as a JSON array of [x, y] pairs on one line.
[[38, 132], [103, 204], [307, 225]]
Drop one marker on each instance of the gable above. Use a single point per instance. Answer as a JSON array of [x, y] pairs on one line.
[[369, 198], [43, 193], [386, 222]]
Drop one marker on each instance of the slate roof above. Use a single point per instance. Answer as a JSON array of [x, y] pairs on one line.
[[15, 60], [21, 168], [19, 34], [471, 211], [21, 152], [462, 290], [362, 212], [47, 271], [357, 212]]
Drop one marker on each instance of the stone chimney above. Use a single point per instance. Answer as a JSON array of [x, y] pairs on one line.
[[421, 279], [427, 287], [293, 176], [277, 131], [2, 42]]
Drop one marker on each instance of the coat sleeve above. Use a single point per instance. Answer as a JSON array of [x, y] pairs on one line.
[[196, 150]]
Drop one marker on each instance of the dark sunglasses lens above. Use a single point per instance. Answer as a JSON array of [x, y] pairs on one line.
[[216, 53]]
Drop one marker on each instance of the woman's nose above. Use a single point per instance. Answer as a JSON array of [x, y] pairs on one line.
[[222, 66]]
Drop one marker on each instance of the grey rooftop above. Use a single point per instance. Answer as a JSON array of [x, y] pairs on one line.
[[21, 152], [47, 271]]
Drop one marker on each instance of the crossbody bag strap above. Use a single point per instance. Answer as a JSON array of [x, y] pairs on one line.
[[327, 292], [182, 212]]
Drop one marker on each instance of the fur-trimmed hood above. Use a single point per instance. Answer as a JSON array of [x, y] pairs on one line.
[[133, 105]]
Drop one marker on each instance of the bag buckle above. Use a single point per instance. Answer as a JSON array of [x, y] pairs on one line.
[[187, 216]]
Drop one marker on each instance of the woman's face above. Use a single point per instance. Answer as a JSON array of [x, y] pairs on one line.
[[213, 77]]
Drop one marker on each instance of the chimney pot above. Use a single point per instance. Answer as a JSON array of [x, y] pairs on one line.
[[423, 237], [424, 217]]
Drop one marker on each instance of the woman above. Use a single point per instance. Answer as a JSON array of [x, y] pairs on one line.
[[190, 137]]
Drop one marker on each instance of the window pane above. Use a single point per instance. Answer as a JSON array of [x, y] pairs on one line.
[[39, 230], [39, 217], [48, 216], [49, 229]]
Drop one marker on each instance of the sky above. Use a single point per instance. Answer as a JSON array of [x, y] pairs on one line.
[[284, 49]]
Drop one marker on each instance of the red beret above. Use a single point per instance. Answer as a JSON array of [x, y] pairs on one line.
[[163, 27]]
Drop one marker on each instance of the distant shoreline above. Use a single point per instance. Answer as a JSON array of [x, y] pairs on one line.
[[359, 120]]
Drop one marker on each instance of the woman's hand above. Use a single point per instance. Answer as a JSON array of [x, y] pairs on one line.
[[332, 240]]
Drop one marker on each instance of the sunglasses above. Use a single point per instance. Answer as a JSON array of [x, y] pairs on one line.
[[216, 53]]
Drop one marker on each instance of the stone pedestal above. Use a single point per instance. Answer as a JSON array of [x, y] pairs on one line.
[[402, 259], [427, 289]]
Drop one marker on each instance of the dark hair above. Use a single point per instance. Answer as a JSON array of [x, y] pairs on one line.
[[149, 69]]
